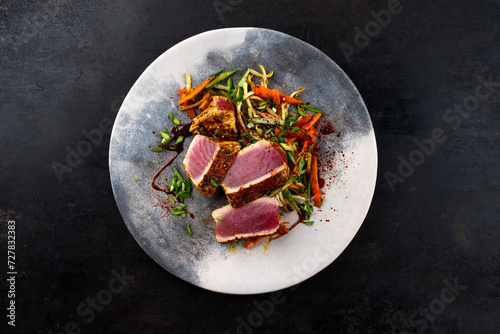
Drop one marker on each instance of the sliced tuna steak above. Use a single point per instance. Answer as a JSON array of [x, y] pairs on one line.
[[217, 120], [257, 170], [257, 218], [208, 160]]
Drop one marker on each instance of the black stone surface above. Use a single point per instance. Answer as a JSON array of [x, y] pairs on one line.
[[426, 259]]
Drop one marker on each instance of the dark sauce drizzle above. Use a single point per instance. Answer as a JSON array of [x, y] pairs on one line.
[[181, 130]]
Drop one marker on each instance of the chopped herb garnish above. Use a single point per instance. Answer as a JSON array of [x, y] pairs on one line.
[[214, 183], [244, 78], [166, 137], [301, 112], [158, 149], [136, 179], [173, 119], [189, 230], [171, 200], [217, 73], [308, 222], [219, 218], [220, 78], [311, 108]]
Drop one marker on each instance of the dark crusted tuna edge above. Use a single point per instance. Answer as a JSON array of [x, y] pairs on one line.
[[218, 168], [246, 195], [211, 128]]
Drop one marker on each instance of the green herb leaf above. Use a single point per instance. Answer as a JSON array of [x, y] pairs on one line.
[[136, 179], [166, 137], [219, 218], [158, 149], [173, 119], [189, 230], [214, 183], [244, 78], [216, 73], [311, 108], [308, 222], [178, 174], [171, 200], [220, 78], [302, 163], [179, 140], [288, 196]]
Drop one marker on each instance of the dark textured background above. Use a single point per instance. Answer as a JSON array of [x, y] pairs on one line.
[[65, 66]]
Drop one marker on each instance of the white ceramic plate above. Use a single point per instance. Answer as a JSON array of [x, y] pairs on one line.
[[348, 163]]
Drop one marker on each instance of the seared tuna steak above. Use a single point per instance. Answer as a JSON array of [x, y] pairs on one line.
[[258, 169], [207, 162], [257, 218], [218, 120]]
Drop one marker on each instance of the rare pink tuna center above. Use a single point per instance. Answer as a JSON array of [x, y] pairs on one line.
[[253, 164], [204, 149]]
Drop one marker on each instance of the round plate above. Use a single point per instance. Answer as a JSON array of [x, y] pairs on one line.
[[348, 164]]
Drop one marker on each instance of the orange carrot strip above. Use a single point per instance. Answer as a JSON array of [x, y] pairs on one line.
[[263, 92], [312, 121], [301, 122], [315, 182], [298, 135], [312, 132], [276, 98], [304, 149], [251, 242], [290, 140], [196, 91], [293, 185], [182, 93]]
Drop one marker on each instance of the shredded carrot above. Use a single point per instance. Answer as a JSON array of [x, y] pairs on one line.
[[182, 93], [301, 122], [298, 135], [315, 182], [276, 98], [312, 121], [264, 92], [196, 91], [293, 185], [290, 140], [304, 149], [312, 132], [251, 242]]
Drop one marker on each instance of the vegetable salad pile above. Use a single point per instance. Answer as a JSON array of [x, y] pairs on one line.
[[266, 113]]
